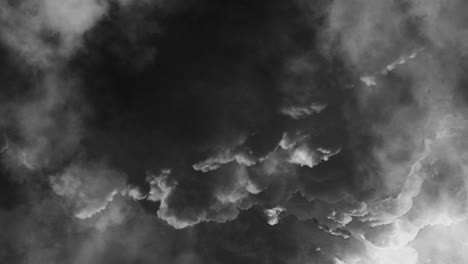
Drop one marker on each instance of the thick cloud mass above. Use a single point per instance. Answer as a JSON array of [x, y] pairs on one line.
[[205, 131]]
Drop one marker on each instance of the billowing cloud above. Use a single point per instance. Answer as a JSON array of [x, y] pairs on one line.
[[88, 187], [233, 132]]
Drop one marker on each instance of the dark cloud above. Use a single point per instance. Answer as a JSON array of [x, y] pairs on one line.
[[233, 131]]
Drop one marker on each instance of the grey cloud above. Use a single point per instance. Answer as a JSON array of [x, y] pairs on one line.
[[88, 187], [231, 194], [299, 112], [265, 155]]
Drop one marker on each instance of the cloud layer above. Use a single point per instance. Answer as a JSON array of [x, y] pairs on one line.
[[234, 132]]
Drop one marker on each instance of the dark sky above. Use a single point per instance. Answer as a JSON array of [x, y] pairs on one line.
[[234, 131]]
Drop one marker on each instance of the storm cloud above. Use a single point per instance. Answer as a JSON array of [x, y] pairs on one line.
[[206, 131]]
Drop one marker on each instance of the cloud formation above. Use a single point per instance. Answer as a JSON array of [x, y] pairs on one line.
[[234, 132]]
